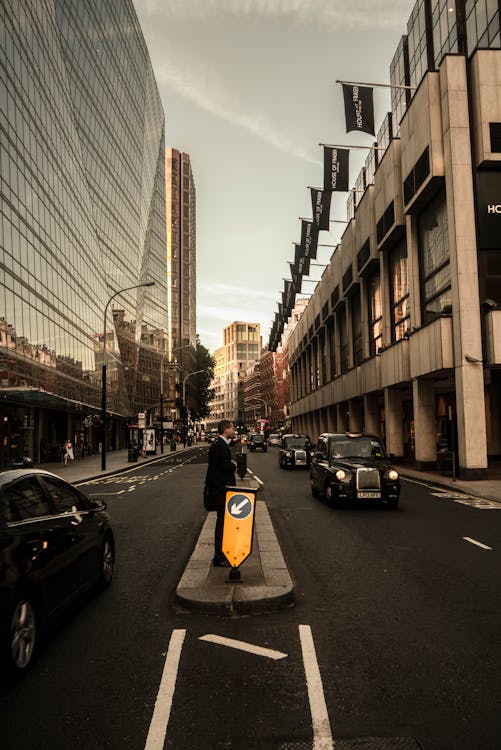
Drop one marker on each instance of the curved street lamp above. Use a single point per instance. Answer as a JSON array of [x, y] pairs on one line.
[[103, 379]]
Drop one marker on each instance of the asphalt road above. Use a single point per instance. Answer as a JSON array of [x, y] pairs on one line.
[[403, 614]]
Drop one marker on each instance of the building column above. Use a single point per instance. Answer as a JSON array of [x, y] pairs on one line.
[[342, 417], [371, 415], [327, 354], [394, 417], [364, 315], [469, 374], [425, 427], [331, 419], [356, 415]]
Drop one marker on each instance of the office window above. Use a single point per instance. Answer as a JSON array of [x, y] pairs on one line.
[[375, 313], [434, 259], [419, 42], [356, 325], [399, 291], [399, 76], [447, 19], [482, 24]]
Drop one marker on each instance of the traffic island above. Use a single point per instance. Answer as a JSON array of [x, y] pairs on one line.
[[265, 581]]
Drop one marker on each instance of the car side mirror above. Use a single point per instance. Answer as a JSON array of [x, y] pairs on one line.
[[96, 505]]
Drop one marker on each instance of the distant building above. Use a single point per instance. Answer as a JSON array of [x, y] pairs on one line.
[[241, 350], [181, 274]]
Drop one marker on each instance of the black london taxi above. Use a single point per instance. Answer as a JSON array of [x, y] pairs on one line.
[[257, 442], [55, 543], [353, 467], [295, 452]]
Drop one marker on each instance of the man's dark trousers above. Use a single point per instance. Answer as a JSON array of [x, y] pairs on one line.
[[220, 474]]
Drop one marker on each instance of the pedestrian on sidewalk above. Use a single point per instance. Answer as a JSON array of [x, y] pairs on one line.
[[220, 474], [68, 454]]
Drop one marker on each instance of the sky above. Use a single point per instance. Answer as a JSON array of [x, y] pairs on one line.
[[249, 91]]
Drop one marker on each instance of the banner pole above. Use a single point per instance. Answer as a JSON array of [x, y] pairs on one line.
[[362, 148], [379, 85]]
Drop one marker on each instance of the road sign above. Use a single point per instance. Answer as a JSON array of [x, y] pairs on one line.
[[141, 420], [238, 527]]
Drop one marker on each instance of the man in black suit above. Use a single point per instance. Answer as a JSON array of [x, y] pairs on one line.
[[220, 474]]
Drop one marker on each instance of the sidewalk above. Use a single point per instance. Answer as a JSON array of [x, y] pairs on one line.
[[487, 489], [90, 468]]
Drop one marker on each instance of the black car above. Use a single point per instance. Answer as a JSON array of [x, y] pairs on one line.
[[295, 452], [353, 467], [54, 543], [257, 443]]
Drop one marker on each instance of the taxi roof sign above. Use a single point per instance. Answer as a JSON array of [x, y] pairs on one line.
[[238, 529]]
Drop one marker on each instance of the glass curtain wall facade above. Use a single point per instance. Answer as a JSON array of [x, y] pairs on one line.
[[82, 216]]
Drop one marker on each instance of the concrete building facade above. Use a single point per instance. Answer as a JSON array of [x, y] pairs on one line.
[[402, 336]]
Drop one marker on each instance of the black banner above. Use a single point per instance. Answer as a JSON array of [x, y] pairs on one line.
[[309, 239], [358, 108], [303, 266], [297, 278], [321, 207], [336, 169]]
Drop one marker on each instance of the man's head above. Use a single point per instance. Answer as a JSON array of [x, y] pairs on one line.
[[226, 428]]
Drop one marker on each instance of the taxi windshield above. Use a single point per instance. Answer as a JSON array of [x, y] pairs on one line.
[[296, 441], [360, 447]]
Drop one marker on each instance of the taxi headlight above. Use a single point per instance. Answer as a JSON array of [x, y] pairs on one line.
[[340, 474], [393, 475]]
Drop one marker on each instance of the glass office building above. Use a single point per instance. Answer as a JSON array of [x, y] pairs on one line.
[[82, 216]]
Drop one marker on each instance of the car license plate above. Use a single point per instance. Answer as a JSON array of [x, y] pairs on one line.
[[374, 495]]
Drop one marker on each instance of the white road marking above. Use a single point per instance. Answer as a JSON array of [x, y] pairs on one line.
[[163, 703], [107, 494], [474, 541], [472, 501], [243, 646], [255, 476], [237, 509], [322, 736]]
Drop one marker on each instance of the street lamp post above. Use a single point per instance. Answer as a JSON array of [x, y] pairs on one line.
[[103, 379], [176, 349], [190, 374]]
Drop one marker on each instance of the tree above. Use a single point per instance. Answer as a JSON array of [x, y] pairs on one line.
[[204, 393]]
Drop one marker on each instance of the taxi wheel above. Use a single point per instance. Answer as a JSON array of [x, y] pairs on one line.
[[21, 635]]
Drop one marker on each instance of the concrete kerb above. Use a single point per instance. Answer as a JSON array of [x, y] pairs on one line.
[[266, 584]]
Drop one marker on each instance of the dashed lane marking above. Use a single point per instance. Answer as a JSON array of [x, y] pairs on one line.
[[477, 544], [163, 703], [255, 477], [322, 735]]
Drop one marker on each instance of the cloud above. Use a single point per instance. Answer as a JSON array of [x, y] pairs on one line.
[[202, 86], [334, 15]]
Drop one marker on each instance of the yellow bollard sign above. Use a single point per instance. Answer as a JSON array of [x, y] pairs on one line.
[[238, 527]]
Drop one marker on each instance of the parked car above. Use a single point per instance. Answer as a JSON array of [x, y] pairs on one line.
[[273, 439], [295, 451], [257, 442], [353, 467], [55, 543]]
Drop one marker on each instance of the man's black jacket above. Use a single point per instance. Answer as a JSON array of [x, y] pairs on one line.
[[221, 470]]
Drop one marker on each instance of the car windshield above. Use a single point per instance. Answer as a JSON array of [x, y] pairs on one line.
[[258, 438], [297, 442], [363, 447]]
